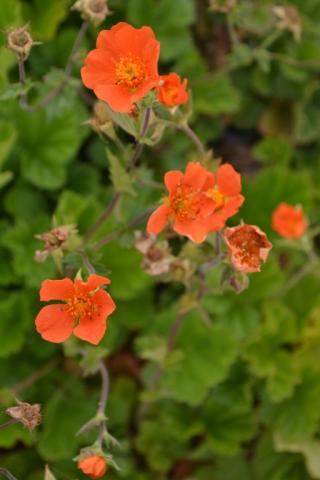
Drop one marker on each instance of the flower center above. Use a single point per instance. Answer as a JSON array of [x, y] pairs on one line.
[[130, 71], [185, 203], [80, 305], [217, 197]]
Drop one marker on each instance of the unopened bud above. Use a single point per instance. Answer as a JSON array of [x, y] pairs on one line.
[[157, 257], [55, 239], [181, 270], [101, 121], [20, 42], [95, 11], [28, 415], [289, 19], [223, 6]]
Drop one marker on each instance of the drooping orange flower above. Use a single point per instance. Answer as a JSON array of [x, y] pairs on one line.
[[187, 205], [95, 466], [84, 311], [248, 246], [172, 91], [289, 221], [224, 188], [124, 66]]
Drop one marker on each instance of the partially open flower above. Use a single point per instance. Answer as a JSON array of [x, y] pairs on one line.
[[95, 11], [289, 221], [157, 256], [248, 246], [55, 239], [28, 415], [20, 41], [289, 19], [95, 466], [172, 91], [223, 6]]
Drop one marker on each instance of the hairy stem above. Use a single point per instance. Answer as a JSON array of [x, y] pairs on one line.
[[103, 401], [8, 424], [44, 102], [7, 474], [117, 195]]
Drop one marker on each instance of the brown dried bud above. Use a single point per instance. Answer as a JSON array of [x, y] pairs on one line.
[[157, 256], [289, 19], [28, 415], [223, 6], [20, 41], [95, 11], [55, 239]]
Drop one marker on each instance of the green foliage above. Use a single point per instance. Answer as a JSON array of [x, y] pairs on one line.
[[237, 395]]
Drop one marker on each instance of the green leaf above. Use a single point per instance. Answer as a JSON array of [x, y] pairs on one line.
[[45, 17], [65, 412], [309, 449], [7, 139], [128, 279], [297, 417], [119, 176], [46, 146], [15, 90], [214, 95], [15, 306], [10, 16], [273, 150], [204, 362]]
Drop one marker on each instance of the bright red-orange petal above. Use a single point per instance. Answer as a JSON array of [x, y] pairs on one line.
[[92, 329], [196, 231], [232, 206], [98, 69], [228, 180], [56, 289], [143, 89], [54, 323], [158, 219], [196, 175], [117, 97], [105, 37], [215, 222], [172, 179], [95, 281]]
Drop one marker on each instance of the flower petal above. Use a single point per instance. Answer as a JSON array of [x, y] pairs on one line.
[[56, 289], [172, 179], [196, 231], [92, 329], [228, 180], [54, 323], [98, 69], [158, 219], [117, 97], [196, 175], [232, 206]]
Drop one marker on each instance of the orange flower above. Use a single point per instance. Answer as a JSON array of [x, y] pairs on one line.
[[224, 188], [172, 91], [289, 221], [187, 205], [84, 312], [124, 66], [94, 466], [249, 247]]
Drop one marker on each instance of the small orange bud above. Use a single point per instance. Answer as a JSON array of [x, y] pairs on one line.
[[95, 466], [289, 221]]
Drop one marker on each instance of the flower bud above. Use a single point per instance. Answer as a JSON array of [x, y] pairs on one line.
[[95, 11], [95, 466], [223, 6], [289, 19], [55, 239], [28, 415], [101, 121], [20, 42], [157, 257]]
